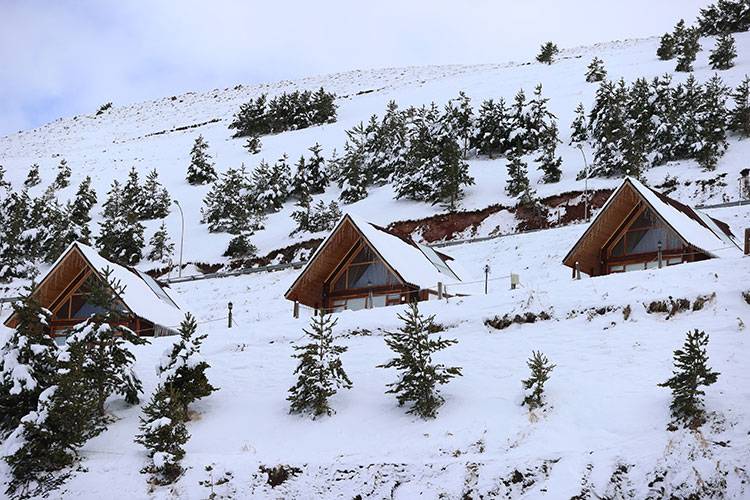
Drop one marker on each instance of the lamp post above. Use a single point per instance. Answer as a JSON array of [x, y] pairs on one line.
[[586, 184], [182, 234]]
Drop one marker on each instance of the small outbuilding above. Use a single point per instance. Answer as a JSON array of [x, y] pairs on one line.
[[640, 228], [361, 265], [63, 290]]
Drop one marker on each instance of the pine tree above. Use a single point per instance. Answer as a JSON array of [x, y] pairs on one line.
[[32, 178], [596, 72], [80, 212], [725, 16], [4, 184], [354, 175], [517, 138], [688, 49], [578, 132], [62, 180], [460, 120], [121, 239], [182, 370], [252, 119], [230, 204], [162, 247], [156, 200], [608, 132], [711, 117], [688, 98], [419, 377], [132, 201], [547, 53], [101, 343], [14, 259], [317, 173], [739, 115], [493, 128], [388, 145], [240, 247], [724, 54], [271, 185], [253, 145], [538, 120], [679, 33], [27, 362], [163, 434], [548, 161], [200, 170], [691, 371], [666, 50], [534, 385], [319, 371], [665, 120], [323, 107], [518, 180], [58, 233], [639, 128]]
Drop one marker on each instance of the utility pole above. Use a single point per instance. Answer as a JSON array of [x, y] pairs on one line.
[[182, 235]]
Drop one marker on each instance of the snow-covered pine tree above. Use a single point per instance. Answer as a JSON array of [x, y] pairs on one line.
[[639, 128], [300, 188], [252, 118], [253, 145], [687, 49], [679, 32], [317, 171], [133, 199], [320, 373], [547, 53], [240, 246], [665, 120], [739, 115], [230, 206], [534, 385], [323, 107], [517, 138], [182, 369], [608, 131], [538, 120], [57, 233], [666, 50], [548, 161], [163, 434], [725, 16], [32, 178], [691, 372], [27, 362], [724, 54], [4, 184], [120, 236], [14, 259], [271, 185], [711, 119], [518, 179], [62, 180], [156, 200], [79, 212], [324, 218], [493, 126], [302, 215], [162, 247], [688, 98], [389, 144], [353, 174], [101, 344], [596, 71], [578, 131], [419, 377], [459, 118], [200, 170]]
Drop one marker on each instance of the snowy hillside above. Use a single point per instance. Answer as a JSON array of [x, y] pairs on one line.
[[152, 135], [604, 433]]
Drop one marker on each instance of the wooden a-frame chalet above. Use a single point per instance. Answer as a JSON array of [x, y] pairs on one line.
[[148, 309], [639, 228], [361, 265]]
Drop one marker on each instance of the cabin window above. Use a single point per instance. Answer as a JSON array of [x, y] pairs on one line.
[[365, 270], [644, 235]]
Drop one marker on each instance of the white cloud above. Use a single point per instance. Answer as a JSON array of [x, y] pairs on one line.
[[64, 58]]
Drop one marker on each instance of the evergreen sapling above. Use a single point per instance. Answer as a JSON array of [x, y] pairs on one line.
[[534, 385], [724, 54]]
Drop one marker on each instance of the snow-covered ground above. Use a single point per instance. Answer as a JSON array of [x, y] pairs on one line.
[[606, 413], [604, 434]]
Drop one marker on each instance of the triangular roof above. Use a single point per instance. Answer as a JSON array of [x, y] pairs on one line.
[[416, 265], [142, 296], [711, 236]]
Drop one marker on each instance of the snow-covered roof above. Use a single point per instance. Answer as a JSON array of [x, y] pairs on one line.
[[145, 298], [415, 265]]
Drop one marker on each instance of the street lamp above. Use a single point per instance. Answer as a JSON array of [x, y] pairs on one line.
[[182, 234], [586, 185]]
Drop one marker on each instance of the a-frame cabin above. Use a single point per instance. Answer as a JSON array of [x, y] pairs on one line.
[[639, 228], [361, 265], [148, 309]]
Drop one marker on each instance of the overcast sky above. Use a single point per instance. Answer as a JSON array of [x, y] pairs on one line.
[[61, 58]]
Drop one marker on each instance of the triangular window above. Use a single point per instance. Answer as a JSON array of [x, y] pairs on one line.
[[644, 235], [364, 271]]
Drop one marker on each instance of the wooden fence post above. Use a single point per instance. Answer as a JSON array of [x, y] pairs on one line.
[[229, 316], [440, 291], [747, 241], [578, 271], [295, 311]]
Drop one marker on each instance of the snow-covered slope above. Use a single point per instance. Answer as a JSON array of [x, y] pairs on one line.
[[604, 434], [144, 136]]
